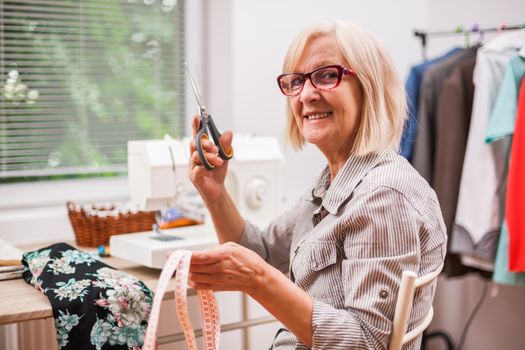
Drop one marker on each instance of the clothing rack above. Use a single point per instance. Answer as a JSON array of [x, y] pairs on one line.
[[424, 35]]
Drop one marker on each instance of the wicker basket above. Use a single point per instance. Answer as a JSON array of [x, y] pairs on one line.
[[93, 225]]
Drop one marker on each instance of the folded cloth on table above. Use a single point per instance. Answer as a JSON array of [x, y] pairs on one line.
[[10, 261], [94, 305]]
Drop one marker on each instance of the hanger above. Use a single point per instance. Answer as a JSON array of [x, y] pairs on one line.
[[501, 27], [477, 29], [466, 34]]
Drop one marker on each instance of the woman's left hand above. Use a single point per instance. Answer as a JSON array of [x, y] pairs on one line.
[[227, 267]]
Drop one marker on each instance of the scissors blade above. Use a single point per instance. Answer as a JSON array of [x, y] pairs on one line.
[[195, 89]]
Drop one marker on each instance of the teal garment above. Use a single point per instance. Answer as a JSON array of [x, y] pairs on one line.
[[503, 117], [501, 125], [501, 265]]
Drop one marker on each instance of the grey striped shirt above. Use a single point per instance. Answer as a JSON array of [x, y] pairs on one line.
[[347, 242]]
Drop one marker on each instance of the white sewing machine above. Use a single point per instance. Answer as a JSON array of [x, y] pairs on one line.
[[158, 175]]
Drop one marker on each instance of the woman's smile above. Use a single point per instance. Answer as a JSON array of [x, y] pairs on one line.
[[317, 116]]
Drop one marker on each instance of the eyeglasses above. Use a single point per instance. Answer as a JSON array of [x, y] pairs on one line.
[[324, 78]]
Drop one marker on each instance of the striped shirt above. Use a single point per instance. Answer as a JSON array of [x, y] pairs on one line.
[[347, 243]]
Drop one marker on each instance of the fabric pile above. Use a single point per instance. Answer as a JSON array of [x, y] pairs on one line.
[[94, 305]]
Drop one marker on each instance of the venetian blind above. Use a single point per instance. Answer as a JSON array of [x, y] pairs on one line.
[[80, 78]]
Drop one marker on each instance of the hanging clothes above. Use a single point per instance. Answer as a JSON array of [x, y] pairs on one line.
[[502, 125], [502, 273], [503, 118], [412, 86], [479, 212], [431, 87], [454, 108], [516, 191]]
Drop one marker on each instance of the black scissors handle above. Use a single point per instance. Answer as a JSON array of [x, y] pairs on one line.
[[206, 125]]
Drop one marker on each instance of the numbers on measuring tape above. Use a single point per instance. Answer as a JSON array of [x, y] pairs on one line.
[[179, 261]]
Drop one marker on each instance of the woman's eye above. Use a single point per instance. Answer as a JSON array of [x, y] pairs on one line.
[[327, 75], [297, 82]]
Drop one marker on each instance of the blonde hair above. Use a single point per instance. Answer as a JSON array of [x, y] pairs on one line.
[[384, 107]]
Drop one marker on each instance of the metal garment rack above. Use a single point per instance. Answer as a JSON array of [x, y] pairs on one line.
[[424, 35]]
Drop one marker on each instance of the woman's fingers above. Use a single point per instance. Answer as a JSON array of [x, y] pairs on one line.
[[207, 145], [206, 268], [212, 158], [206, 257], [211, 152], [209, 148], [210, 281], [195, 124], [199, 286], [226, 267], [205, 278], [226, 141]]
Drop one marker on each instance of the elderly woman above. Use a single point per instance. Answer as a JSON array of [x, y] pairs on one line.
[[366, 218]]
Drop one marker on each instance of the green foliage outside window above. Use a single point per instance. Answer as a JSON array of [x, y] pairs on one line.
[[81, 78]]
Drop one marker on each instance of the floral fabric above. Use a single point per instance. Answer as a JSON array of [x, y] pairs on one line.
[[94, 305]]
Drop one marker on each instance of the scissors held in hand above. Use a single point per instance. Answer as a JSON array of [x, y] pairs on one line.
[[206, 129]]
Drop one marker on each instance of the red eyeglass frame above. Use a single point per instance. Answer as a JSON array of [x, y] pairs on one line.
[[307, 76]]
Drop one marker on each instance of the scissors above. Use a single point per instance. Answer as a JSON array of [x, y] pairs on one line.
[[206, 128]]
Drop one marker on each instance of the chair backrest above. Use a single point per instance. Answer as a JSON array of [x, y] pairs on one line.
[[405, 297]]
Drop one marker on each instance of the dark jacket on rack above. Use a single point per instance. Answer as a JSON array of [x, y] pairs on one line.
[[431, 88]]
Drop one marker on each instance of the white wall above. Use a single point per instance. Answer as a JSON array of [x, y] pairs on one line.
[[247, 42]]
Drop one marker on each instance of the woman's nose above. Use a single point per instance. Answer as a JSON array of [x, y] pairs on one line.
[[309, 92]]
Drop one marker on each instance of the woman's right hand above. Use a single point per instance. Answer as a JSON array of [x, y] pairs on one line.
[[209, 183]]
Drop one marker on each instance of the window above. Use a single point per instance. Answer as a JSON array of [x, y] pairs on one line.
[[79, 78]]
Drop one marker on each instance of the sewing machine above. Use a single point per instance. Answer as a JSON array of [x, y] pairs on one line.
[[158, 178]]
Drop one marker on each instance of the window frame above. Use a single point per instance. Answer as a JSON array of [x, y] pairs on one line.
[[29, 202]]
